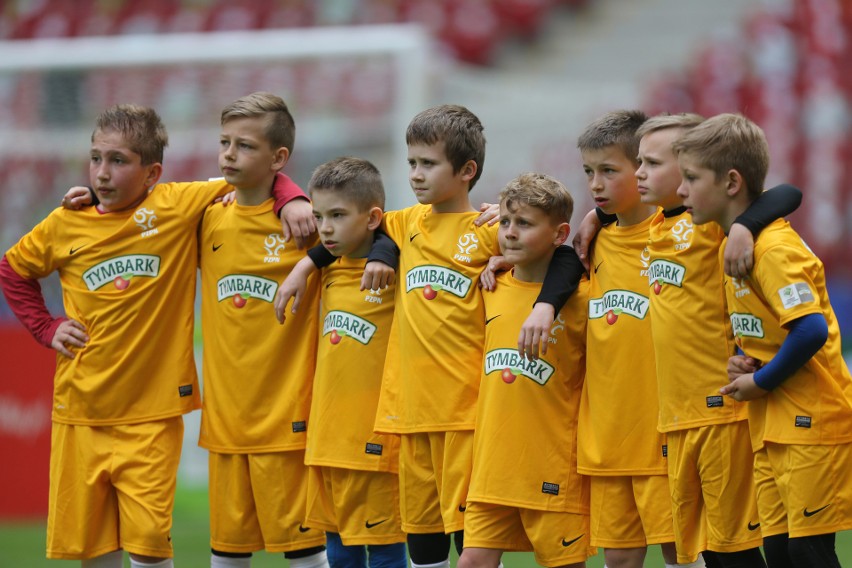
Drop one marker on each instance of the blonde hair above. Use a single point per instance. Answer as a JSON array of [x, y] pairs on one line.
[[280, 128], [356, 179], [729, 142], [617, 128], [542, 192], [684, 120], [141, 128]]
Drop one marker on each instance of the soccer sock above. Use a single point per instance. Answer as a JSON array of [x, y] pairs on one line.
[[317, 560], [165, 563], [444, 564], [108, 560], [229, 562]]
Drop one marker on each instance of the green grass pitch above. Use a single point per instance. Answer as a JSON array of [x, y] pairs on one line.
[[22, 544]]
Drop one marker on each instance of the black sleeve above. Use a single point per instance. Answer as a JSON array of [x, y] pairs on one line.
[[770, 205], [95, 200], [605, 218], [563, 277], [384, 250], [321, 257]]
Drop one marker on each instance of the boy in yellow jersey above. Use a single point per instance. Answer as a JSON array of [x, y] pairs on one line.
[[257, 375], [122, 384], [801, 396], [709, 455], [353, 483], [431, 374], [540, 503]]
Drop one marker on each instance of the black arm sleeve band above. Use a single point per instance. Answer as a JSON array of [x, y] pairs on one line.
[[563, 277], [320, 255], [605, 218], [95, 200], [772, 204], [384, 250]]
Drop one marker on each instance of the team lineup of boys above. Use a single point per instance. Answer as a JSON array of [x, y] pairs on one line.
[[496, 396]]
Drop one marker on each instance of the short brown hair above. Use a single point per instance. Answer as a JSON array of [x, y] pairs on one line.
[[684, 120], [729, 142], [540, 191], [354, 178], [617, 128], [280, 128], [141, 128], [459, 129]]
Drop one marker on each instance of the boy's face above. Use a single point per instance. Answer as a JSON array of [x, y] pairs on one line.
[[431, 175], [658, 173], [611, 179], [246, 158], [703, 195], [116, 172], [343, 228], [527, 234]]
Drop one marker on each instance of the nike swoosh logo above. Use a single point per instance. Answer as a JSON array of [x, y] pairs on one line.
[[807, 513], [568, 543], [598, 265], [489, 320], [370, 525], [329, 284], [73, 250], [303, 529], [411, 237], [753, 527], [462, 508], [217, 247]]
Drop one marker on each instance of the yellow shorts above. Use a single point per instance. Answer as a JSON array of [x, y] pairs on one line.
[[630, 511], [434, 476], [112, 487], [770, 507], [361, 506], [714, 503], [814, 484], [258, 501], [556, 538]]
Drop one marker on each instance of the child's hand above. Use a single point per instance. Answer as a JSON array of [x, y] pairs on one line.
[[297, 221], [743, 388], [585, 234], [293, 287], [70, 332], [488, 277], [536, 331], [226, 199], [77, 198], [490, 213], [377, 276], [741, 365], [739, 251]]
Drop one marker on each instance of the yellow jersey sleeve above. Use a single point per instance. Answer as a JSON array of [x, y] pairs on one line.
[[689, 323], [129, 278], [814, 405], [619, 408], [431, 376], [257, 374], [355, 327], [525, 445]]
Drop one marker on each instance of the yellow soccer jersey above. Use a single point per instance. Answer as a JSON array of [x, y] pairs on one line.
[[619, 409], [431, 376], [257, 374], [129, 278], [692, 338], [353, 343], [525, 445], [814, 406]]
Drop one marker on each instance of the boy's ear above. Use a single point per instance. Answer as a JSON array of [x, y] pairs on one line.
[[734, 183], [282, 154], [468, 170], [155, 170], [562, 232], [375, 218]]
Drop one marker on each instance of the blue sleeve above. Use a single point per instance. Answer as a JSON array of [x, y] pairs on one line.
[[806, 336]]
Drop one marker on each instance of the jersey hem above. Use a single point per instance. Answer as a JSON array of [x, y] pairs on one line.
[[699, 424], [121, 421], [523, 505]]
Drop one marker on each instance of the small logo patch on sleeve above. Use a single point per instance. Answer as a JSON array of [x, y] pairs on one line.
[[795, 294], [375, 449], [803, 421], [550, 488], [300, 426], [714, 401], [185, 390], [665, 450]]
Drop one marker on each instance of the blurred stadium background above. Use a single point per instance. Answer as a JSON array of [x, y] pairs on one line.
[[354, 72]]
